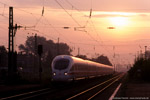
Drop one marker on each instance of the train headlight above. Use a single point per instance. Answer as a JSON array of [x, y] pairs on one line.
[[66, 73], [54, 73]]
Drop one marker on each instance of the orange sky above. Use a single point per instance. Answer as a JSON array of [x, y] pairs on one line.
[[130, 18]]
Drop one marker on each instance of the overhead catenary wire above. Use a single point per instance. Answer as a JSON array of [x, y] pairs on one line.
[[90, 15], [73, 19], [84, 15], [86, 21], [32, 14], [43, 8], [38, 20], [68, 13], [62, 35], [27, 27], [33, 26]]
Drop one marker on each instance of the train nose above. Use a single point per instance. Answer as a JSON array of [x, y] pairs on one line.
[[60, 73], [60, 76]]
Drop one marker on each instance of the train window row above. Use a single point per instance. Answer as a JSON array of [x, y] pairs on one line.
[[88, 67]]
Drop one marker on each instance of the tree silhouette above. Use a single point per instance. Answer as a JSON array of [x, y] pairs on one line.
[[102, 59], [83, 57], [49, 47], [3, 49], [3, 56]]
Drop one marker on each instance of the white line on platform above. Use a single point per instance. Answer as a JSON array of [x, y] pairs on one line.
[[112, 96]]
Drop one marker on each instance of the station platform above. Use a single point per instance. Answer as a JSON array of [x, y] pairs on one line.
[[135, 90]]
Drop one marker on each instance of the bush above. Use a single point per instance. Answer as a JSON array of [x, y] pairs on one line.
[[140, 69]]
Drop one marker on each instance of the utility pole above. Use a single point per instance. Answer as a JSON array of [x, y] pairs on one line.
[[58, 47], [35, 45], [78, 51], [40, 51], [11, 35], [138, 55], [135, 58], [114, 58], [141, 54], [145, 51], [12, 54], [35, 52]]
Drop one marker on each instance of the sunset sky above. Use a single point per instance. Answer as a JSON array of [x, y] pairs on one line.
[[90, 25]]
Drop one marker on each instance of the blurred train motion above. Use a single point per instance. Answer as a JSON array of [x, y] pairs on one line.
[[68, 68]]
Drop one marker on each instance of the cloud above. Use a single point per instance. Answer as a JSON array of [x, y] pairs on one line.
[[140, 6], [118, 14], [109, 15], [97, 5], [144, 15]]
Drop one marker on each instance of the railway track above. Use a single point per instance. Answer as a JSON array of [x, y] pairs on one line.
[[26, 95], [65, 91], [92, 92], [33, 95]]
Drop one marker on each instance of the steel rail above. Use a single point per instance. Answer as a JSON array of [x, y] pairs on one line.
[[24, 94], [104, 88], [92, 88]]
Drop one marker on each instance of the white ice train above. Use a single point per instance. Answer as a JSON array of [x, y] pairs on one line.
[[67, 68]]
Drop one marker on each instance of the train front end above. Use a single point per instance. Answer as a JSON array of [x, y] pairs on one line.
[[60, 68]]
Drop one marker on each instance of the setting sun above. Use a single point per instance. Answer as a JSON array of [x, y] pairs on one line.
[[119, 21]]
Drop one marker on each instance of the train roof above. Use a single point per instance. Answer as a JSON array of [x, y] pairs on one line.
[[77, 60]]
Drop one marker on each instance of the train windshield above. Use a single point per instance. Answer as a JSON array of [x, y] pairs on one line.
[[61, 64]]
